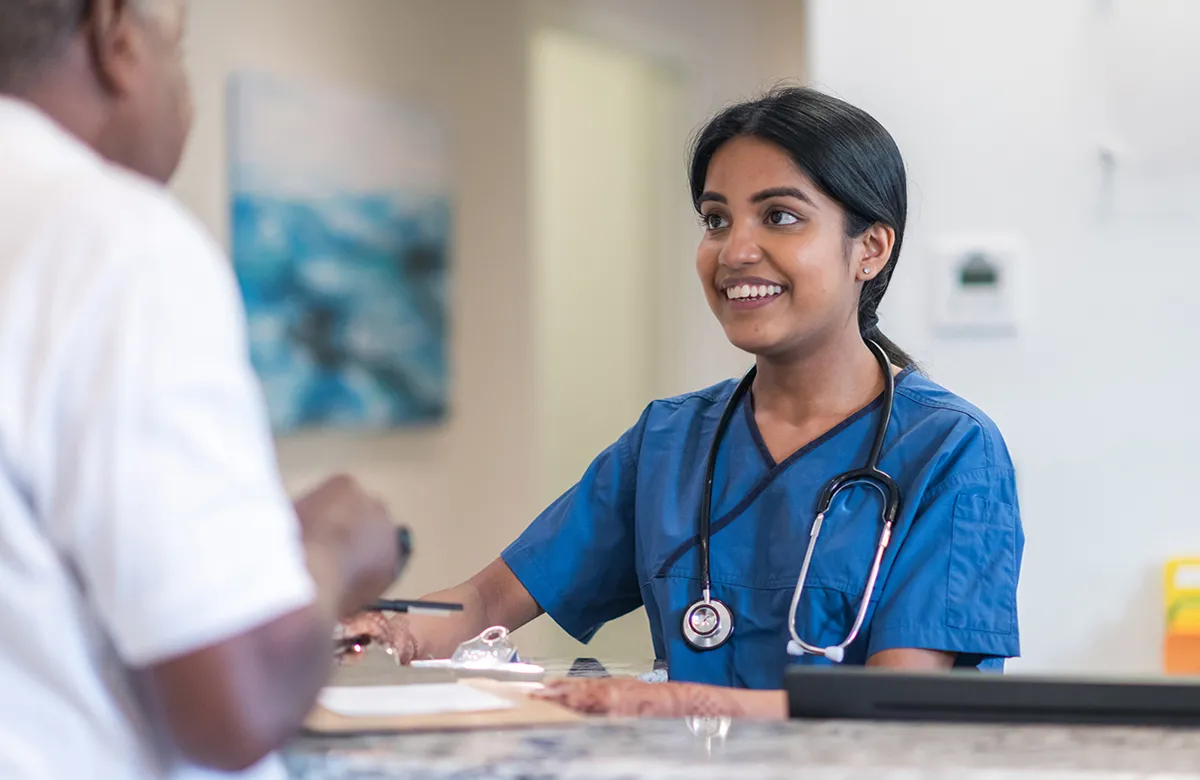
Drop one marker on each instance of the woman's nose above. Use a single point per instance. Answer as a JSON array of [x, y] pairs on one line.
[[742, 248]]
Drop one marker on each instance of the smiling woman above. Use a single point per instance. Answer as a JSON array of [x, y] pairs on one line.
[[847, 170], [708, 511]]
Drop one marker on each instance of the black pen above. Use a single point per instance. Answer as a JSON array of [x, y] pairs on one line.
[[435, 608], [438, 608]]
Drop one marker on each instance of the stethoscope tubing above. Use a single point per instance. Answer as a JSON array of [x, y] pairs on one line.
[[870, 474]]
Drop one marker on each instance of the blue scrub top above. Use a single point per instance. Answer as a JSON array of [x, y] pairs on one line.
[[625, 536]]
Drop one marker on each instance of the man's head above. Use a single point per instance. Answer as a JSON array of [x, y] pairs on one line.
[[110, 71]]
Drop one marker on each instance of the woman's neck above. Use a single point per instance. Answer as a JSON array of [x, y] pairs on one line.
[[833, 381]]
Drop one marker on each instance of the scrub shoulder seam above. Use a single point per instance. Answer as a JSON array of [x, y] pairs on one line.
[[964, 477], [977, 416], [965, 409], [712, 395]]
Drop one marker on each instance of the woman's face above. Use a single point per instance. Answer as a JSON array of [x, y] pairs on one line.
[[774, 260]]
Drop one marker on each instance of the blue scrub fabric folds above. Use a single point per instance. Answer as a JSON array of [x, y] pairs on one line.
[[625, 536]]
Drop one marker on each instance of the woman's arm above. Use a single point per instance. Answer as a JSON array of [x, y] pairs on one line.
[[912, 659], [493, 597], [629, 698], [633, 698]]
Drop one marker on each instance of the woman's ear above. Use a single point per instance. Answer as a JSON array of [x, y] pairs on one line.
[[876, 251]]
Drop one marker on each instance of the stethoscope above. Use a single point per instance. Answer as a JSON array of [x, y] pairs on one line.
[[708, 623]]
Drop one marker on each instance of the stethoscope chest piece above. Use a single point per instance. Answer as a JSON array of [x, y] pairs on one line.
[[707, 624]]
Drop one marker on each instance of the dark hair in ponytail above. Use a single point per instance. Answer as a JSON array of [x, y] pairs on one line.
[[846, 153]]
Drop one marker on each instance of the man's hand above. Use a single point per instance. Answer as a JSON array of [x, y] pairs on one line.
[[230, 703], [355, 533], [395, 634]]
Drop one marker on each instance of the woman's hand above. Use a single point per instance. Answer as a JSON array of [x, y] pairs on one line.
[[393, 634], [633, 698]]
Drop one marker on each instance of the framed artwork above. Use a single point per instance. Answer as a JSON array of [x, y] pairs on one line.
[[340, 235]]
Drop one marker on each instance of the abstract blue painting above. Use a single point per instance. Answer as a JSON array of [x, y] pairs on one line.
[[341, 224]]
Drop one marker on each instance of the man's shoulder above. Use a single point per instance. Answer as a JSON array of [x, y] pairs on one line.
[[83, 209], [115, 204]]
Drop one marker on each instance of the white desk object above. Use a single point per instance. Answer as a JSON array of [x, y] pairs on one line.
[[375, 701]]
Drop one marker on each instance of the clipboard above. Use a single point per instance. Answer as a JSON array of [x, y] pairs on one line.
[[527, 713]]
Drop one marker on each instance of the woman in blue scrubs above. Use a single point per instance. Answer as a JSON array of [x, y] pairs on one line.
[[802, 201]]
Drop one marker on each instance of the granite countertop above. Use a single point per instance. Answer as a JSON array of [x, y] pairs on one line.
[[631, 750]]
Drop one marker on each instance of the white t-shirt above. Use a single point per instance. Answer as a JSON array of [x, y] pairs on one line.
[[141, 512]]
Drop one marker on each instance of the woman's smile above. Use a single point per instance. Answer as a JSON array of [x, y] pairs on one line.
[[750, 293]]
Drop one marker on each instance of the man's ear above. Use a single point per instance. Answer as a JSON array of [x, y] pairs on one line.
[[111, 29]]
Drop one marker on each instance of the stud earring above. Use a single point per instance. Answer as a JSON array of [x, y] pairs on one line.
[[866, 271]]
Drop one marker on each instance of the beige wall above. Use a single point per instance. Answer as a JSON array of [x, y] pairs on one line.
[[720, 51], [468, 488], [597, 133], [593, 247], [471, 479]]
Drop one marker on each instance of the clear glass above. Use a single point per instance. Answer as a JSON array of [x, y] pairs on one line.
[[491, 648]]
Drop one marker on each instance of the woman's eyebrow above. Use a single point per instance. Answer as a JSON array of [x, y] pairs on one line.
[[781, 192]]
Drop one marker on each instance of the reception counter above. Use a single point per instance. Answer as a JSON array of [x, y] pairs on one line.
[[632, 750]]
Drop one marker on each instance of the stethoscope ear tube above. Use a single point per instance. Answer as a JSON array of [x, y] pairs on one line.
[[708, 623], [710, 471]]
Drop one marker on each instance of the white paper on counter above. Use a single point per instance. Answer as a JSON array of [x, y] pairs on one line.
[[402, 700]]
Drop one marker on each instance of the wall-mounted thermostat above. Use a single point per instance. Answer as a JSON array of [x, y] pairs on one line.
[[977, 285]]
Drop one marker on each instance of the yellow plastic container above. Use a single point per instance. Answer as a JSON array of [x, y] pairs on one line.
[[1181, 591]]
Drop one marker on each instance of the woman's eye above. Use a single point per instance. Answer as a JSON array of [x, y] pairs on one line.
[[713, 221], [782, 218]]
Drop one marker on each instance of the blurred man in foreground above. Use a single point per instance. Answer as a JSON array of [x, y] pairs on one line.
[[165, 609]]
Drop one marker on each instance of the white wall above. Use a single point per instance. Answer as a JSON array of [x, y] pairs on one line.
[[1000, 109]]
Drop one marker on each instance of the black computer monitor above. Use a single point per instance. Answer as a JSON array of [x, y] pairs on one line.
[[859, 693]]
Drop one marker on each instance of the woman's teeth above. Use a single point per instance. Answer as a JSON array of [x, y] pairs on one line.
[[744, 291]]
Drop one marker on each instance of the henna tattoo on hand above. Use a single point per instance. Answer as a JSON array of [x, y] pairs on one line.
[[634, 698]]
